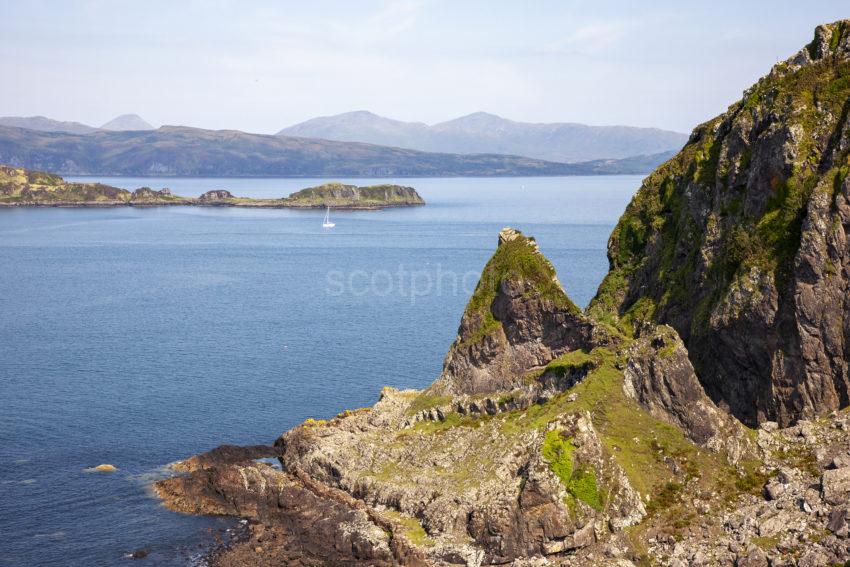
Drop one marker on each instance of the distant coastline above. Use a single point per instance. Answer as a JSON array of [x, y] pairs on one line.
[[21, 188]]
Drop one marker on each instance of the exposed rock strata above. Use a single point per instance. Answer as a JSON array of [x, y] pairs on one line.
[[309, 523]]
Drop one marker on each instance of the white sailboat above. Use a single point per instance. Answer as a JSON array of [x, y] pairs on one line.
[[327, 222]]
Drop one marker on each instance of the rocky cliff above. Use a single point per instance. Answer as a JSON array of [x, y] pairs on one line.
[[739, 243], [560, 437], [518, 318]]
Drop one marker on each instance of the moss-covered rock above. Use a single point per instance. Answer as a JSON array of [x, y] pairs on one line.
[[711, 243], [518, 318]]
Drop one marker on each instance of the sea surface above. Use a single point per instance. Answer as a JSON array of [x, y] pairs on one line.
[[137, 337]]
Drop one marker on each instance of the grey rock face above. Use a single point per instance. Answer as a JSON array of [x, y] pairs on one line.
[[739, 243], [659, 375], [497, 489]]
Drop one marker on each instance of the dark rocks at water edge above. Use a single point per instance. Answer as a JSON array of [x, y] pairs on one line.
[[23, 188], [696, 414]]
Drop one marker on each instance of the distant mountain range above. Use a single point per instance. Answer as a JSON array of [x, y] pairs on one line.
[[182, 151], [487, 133], [44, 124]]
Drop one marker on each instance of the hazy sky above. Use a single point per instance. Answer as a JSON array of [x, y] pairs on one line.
[[262, 65]]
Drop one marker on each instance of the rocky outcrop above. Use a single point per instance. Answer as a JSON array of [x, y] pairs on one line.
[[659, 376], [739, 243], [519, 318], [224, 455], [148, 195], [216, 196], [498, 488], [547, 465]]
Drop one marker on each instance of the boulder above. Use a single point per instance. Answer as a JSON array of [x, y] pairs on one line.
[[774, 490], [835, 485], [814, 558], [754, 557], [839, 520], [840, 461]]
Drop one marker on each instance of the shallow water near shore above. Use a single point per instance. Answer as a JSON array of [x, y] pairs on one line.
[[136, 337]]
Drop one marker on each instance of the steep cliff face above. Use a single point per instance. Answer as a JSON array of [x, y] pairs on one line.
[[518, 318], [739, 243]]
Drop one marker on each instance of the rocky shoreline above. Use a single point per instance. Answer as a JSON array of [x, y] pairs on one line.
[[696, 414], [802, 509]]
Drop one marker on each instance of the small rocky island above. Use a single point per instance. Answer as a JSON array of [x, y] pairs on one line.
[[694, 415], [24, 188]]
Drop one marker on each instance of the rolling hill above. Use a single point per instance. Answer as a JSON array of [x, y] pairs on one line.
[[183, 151], [487, 133], [44, 124]]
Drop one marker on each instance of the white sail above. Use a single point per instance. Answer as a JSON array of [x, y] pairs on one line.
[[327, 222]]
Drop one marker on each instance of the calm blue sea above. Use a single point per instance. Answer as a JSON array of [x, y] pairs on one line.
[[137, 337]]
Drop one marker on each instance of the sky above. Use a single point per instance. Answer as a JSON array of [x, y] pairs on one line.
[[262, 65]]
